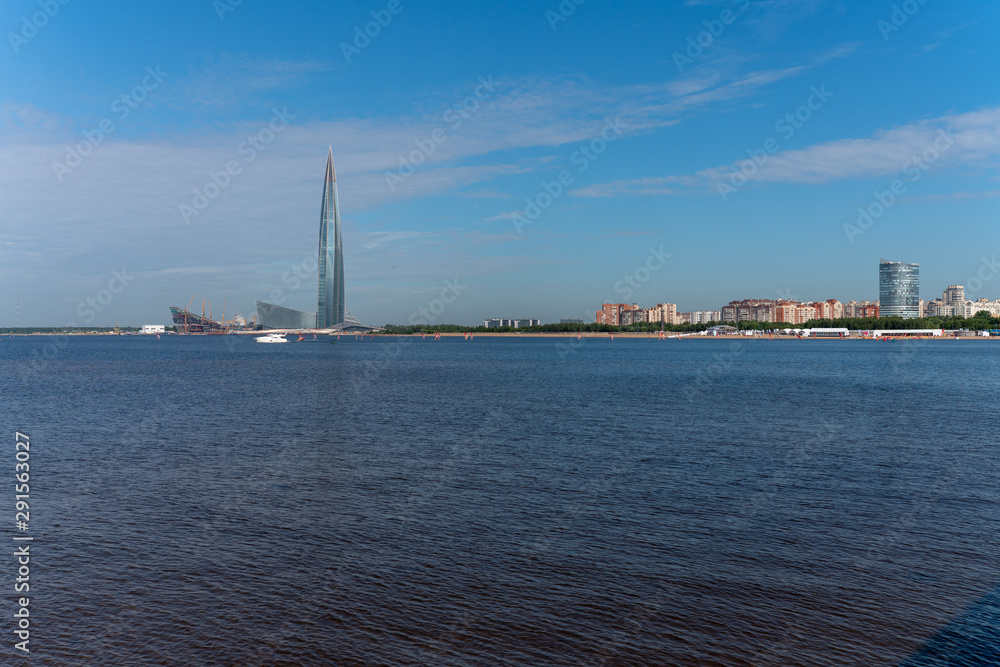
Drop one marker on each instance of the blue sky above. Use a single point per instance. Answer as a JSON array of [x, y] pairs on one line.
[[642, 110]]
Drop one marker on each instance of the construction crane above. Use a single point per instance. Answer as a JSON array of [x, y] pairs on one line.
[[186, 309]]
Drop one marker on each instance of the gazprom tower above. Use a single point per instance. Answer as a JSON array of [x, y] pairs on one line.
[[330, 304], [330, 311]]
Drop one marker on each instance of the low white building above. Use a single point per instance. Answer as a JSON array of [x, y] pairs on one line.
[[152, 329], [907, 332]]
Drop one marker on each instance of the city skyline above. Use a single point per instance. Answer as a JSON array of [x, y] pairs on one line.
[[777, 153]]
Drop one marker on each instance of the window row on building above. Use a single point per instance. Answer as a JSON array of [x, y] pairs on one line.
[[623, 314], [496, 323]]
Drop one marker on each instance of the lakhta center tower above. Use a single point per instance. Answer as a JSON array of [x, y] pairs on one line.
[[330, 305], [331, 314]]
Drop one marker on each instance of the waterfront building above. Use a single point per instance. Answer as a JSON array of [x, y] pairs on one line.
[[758, 310], [279, 317], [699, 317], [665, 313], [610, 313], [899, 289], [786, 311], [152, 329]]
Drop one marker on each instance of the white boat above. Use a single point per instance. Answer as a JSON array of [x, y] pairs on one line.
[[272, 338]]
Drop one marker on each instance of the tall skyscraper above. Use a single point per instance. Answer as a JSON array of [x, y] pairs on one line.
[[330, 304], [898, 289], [331, 312]]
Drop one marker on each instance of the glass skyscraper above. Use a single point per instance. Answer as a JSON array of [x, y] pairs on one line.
[[898, 289], [330, 305], [331, 312]]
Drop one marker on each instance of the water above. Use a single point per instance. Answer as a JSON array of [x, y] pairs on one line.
[[207, 500]]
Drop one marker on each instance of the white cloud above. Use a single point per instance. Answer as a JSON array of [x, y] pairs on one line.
[[976, 142]]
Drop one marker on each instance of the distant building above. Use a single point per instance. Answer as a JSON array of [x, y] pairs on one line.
[[610, 313], [866, 309], [152, 329], [954, 304], [899, 289], [570, 320], [665, 313], [757, 310], [496, 323], [699, 317], [953, 295], [992, 307]]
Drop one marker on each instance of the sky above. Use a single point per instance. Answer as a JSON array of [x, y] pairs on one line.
[[524, 158]]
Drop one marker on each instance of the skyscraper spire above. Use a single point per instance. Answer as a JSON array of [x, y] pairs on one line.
[[330, 298], [331, 172]]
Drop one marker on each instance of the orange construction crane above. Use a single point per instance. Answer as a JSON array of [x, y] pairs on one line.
[[186, 308]]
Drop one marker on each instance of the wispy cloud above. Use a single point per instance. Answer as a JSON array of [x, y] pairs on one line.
[[976, 143], [229, 79], [502, 216], [379, 239]]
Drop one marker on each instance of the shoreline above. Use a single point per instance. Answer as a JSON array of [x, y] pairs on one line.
[[554, 334]]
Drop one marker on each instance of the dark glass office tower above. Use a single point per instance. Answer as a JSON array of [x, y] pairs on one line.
[[898, 289], [330, 306]]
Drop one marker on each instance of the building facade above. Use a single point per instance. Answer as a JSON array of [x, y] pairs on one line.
[[610, 313], [899, 289], [279, 317], [497, 322]]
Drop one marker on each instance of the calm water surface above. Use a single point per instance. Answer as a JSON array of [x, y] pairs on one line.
[[208, 500]]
